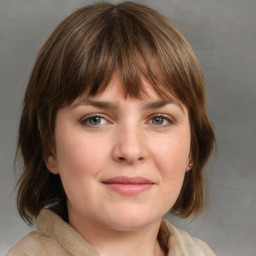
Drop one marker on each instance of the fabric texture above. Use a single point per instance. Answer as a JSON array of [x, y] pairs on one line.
[[53, 236]]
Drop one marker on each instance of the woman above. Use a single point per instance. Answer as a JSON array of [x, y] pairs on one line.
[[114, 133]]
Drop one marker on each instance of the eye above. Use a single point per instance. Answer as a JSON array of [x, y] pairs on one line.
[[94, 120], [160, 120]]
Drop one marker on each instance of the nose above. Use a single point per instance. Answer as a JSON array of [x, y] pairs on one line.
[[130, 145]]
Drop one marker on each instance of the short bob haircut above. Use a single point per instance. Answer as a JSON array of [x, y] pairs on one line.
[[79, 58]]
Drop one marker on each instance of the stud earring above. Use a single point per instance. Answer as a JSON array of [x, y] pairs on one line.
[[190, 164]]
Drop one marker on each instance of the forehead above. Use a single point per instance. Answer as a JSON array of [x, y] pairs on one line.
[[115, 93], [116, 89]]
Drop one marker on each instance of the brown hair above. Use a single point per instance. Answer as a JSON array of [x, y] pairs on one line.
[[80, 57]]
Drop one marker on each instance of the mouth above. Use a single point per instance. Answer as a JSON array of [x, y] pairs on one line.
[[128, 185]]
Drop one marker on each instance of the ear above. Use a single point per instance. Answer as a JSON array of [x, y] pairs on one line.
[[189, 164], [51, 165]]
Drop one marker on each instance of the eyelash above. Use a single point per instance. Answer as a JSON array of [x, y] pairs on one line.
[[85, 121], [164, 118]]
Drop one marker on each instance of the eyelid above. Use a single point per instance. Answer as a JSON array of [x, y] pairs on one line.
[[169, 118], [85, 118]]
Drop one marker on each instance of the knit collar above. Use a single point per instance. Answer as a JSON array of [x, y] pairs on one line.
[[50, 224]]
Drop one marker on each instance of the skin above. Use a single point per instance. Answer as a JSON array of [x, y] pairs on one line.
[[124, 137]]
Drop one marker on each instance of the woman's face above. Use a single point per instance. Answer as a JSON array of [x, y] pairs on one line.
[[121, 161]]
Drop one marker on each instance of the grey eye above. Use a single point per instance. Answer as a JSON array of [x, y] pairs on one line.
[[95, 120], [158, 120]]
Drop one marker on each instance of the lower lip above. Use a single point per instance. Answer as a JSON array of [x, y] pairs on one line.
[[129, 189]]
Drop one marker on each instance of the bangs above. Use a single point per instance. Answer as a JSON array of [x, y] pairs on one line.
[[117, 41], [89, 46]]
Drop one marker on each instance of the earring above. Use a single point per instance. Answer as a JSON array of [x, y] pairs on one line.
[[190, 164]]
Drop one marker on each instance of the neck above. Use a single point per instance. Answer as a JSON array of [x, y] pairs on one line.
[[111, 242]]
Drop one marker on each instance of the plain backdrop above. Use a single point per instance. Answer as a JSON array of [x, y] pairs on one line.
[[223, 34]]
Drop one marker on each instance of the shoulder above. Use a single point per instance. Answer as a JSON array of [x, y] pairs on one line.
[[29, 245], [53, 236], [182, 242]]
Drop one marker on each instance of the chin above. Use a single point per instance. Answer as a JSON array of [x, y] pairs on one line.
[[128, 226], [129, 221]]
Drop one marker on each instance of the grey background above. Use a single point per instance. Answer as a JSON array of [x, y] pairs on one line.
[[223, 34]]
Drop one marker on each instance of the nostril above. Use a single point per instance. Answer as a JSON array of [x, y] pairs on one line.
[[123, 159]]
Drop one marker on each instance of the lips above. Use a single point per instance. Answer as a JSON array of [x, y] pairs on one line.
[[128, 185]]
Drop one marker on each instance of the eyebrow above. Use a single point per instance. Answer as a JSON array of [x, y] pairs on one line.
[[110, 105], [157, 104], [96, 103], [162, 103]]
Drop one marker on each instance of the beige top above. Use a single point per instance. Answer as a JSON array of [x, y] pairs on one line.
[[55, 237]]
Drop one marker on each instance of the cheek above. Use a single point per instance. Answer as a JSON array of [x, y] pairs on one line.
[[78, 153], [78, 162], [171, 159], [172, 155], [172, 166]]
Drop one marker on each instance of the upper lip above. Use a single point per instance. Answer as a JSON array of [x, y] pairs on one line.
[[127, 180]]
